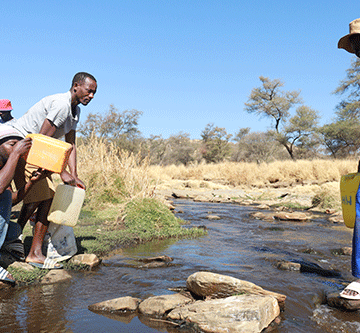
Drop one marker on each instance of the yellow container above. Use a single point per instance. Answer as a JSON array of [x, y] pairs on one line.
[[48, 153], [66, 205], [349, 185]]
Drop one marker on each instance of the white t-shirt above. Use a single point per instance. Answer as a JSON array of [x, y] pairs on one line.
[[56, 108]]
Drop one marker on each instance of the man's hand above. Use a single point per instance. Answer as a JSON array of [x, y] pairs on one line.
[[39, 174], [22, 146], [69, 179]]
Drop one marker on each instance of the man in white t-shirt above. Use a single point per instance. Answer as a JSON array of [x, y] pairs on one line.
[[55, 116]]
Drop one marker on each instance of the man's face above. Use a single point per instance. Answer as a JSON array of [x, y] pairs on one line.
[[85, 91], [6, 149], [355, 43], [5, 115]]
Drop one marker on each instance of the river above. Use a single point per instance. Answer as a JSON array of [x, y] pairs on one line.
[[236, 245]]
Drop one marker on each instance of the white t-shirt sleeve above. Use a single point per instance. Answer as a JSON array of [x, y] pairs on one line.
[[58, 113]]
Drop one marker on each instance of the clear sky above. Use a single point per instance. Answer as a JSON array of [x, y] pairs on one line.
[[183, 63]]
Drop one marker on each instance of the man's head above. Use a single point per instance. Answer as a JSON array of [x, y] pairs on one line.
[[351, 41], [9, 136], [5, 110], [83, 88]]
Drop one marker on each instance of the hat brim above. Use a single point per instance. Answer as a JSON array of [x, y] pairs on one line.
[[11, 137], [344, 42]]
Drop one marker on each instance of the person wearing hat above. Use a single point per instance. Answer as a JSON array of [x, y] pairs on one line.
[[351, 43], [5, 111], [12, 147], [55, 116]]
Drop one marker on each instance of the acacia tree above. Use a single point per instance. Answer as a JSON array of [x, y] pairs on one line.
[[216, 146], [342, 137], [112, 125], [271, 102]]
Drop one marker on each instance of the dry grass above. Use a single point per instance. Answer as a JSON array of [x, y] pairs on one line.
[[258, 174], [112, 175]]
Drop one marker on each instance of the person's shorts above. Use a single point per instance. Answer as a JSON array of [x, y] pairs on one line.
[[42, 190]]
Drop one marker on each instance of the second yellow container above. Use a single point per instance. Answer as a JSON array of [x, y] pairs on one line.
[[349, 185], [48, 153], [66, 205]]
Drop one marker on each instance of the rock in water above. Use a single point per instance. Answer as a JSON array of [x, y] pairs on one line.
[[241, 314], [219, 286]]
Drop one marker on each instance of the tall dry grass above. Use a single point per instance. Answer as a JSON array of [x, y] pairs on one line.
[[111, 174], [242, 173]]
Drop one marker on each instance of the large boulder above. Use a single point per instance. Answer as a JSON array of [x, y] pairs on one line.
[[243, 313], [159, 305], [207, 284]]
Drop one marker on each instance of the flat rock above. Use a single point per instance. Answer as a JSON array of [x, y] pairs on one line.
[[22, 265], [213, 217], [345, 251], [159, 305], [263, 206], [288, 266], [55, 276], [201, 198], [241, 314], [215, 285], [121, 304], [292, 216], [86, 259], [158, 259], [262, 216], [334, 300]]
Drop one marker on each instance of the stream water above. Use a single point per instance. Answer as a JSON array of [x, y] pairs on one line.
[[236, 245]]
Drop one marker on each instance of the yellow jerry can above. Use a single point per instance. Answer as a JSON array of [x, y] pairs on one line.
[[349, 185], [48, 153]]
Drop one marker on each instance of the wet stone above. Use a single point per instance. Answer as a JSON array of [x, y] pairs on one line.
[[121, 304], [288, 266], [88, 259], [213, 217], [292, 216], [334, 300], [159, 305], [55, 276]]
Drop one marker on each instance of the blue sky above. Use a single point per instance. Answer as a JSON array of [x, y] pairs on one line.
[[183, 63]]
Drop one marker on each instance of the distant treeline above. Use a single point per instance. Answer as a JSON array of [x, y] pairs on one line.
[[294, 134]]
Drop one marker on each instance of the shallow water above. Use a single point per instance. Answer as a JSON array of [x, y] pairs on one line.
[[236, 245]]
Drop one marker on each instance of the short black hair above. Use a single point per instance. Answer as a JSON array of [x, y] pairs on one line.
[[81, 77]]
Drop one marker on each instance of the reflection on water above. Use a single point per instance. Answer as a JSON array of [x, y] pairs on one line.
[[236, 245]]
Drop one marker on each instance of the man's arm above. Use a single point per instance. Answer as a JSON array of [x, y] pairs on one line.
[[70, 138], [8, 171], [48, 128]]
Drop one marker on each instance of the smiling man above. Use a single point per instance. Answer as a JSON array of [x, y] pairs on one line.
[[56, 116]]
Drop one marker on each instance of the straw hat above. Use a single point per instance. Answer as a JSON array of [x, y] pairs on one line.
[[344, 42], [5, 105]]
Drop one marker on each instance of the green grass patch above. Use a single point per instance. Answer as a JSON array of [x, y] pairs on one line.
[[139, 221], [24, 277]]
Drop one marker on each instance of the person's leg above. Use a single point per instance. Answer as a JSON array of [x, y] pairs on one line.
[[355, 259], [27, 210], [5, 211], [41, 226]]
